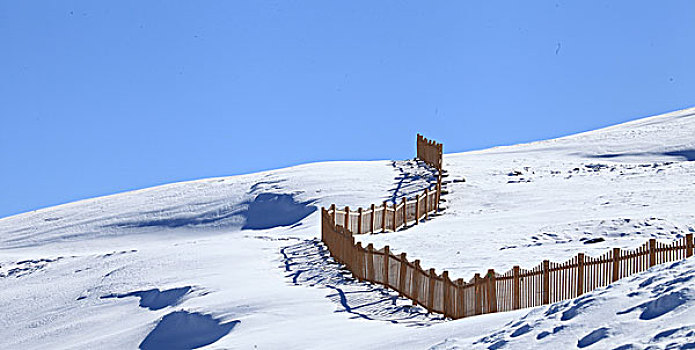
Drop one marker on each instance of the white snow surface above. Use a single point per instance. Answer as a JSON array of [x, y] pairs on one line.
[[234, 262]]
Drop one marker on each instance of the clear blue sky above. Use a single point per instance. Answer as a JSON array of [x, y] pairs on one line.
[[101, 97]]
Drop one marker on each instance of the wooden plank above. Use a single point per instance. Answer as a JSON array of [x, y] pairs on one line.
[[580, 274], [516, 295], [652, 252], [359, 271], [417, 209], [688, 245], [401, 276], [418, 146], [387, 254], [371, 224], [415, 277], [404, 203], [383, 218], [347, 218], [446, 295], [616, 264], [439, 190], [460, 299], [440, 156], [430, 293], [427, 203], [546, 282], [478, 297], [359, 221], [333, 214], [370, 263], [352, 262], [491, 291], [323, 224]]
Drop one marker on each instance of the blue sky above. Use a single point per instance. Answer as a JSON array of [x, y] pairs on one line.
[[98, 98]]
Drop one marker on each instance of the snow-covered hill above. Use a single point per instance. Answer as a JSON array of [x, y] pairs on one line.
[[233, 262]]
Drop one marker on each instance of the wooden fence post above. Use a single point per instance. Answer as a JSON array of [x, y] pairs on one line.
[[401, 276], [616, 264], [383, 218], [347, 218], [491, 291], [688, 245], [427, 203], [387, 258], [359, 221], [404, 202], [439, 191], [352, 262], [440, 156], [516, 295], [416, 281], [652, 252], [323, 224], [371, 224], [580, 274], [418, 146], [478, 297], [333, 214], [339, 246], [370, 263], [446, 295], [430, 153], [430, 293], [546, 281], [460, 300], [417, 208], [359, 273], [395, 210]]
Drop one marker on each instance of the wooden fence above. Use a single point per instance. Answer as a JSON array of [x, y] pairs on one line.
[[517, 288], [384, 218], [430, 152]]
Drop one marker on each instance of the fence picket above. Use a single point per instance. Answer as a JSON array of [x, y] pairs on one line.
[[404, 203], [446, 310], [492, 291], [383, 218], [652, 252], [430, 291], [616, 264], [478, 296], [387, 256], [417, 272], [546, 282]]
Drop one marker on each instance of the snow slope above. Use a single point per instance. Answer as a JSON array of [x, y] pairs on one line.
[[233, 262]]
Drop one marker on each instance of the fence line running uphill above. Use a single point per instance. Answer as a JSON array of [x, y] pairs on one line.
[[517, 288], [384, 218], [430, 152]]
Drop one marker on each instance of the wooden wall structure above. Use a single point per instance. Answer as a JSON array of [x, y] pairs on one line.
[[430, 152], [492, 292]]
